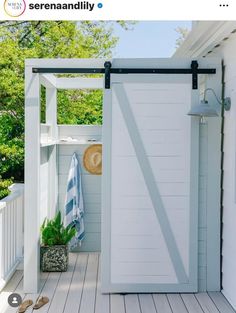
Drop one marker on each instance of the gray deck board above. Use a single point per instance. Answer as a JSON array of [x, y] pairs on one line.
[[102, 304], [206, 303], [191, 303], [147, 304], [161, 303], [78, 291], [221, 303], [77, 284], [90, 283], [176, 303], [132, 303], [10, 288], [62, 290], [117, 304]]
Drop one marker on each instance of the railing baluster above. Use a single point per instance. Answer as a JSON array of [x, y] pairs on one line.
[[14, 230], [8, 236], [1, 244], [11, 233], [4, 242]]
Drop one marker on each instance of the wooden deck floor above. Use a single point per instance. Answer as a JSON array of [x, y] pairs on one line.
[[78, 291]]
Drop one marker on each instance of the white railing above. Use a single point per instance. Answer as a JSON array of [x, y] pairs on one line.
[[11, 232]]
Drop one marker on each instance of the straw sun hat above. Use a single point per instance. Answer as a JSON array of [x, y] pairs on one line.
[[93, 159]]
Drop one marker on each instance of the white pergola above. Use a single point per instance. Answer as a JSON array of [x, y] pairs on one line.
[[33, 145]]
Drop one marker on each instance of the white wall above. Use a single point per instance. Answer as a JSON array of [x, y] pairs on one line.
[[91, 183], [227, 51]]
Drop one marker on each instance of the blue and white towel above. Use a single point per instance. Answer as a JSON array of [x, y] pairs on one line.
[[74, 204]]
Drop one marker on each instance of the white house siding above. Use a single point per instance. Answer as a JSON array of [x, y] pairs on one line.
[[229, 217], [204, 40], [91, 183], [227, 52]]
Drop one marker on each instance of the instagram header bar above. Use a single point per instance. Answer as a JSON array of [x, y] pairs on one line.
[[117, 10]]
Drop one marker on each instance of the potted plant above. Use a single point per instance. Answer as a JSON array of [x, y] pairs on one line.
[[54, 245]]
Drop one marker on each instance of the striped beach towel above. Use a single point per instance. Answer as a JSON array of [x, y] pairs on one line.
[[74, 204]]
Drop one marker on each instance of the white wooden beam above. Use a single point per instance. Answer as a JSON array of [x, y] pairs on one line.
[[32, 182], [48, 80], [80, 83], [68, 63], [51, 111], [51, 119]]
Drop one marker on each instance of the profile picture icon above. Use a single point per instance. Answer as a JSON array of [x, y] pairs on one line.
[[14, 8], [14, 300]]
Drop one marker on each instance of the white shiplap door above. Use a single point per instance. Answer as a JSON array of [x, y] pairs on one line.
[[150, 185]]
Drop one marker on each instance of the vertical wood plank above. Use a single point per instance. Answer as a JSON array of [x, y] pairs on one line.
[[8, 238], [176, 303], [221, 303], [16, 205], [206, 303], [161, 303], [89, 291], [102, 304], [132, 303], [191, 303], [34, 297], [76, 287], [19, 227], [117, 303], [4, 251], [32, 181], [10, 225], [61, 292], [147, 304], [49, 289]]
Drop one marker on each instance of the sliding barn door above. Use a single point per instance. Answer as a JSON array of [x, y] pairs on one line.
[[150, 185]]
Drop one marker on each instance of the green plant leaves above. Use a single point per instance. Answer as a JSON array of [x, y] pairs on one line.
[[54, 233], [4, 184]]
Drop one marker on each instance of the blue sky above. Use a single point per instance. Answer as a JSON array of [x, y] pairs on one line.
[[148, 39]]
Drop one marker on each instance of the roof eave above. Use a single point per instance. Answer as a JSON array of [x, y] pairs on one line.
[[204, 37]]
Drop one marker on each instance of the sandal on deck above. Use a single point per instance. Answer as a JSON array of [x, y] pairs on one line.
[[41, 301], [24, 305]]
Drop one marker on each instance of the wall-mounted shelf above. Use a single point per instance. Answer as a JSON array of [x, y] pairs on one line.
[[48, 143], [78, 142], [62, 142]]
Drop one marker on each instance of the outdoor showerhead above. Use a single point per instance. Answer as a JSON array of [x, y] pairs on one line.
[[205, 110]]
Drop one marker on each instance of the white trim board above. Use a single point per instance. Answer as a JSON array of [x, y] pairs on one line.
[[204, 36]]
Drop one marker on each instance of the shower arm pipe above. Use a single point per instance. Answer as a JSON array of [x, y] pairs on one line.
[[212, 90]]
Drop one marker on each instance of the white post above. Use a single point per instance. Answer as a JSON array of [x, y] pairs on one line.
[[32, 181], [51, 119], [213, 183]]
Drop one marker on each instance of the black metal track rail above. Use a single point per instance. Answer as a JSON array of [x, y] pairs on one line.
[[108, 70]]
